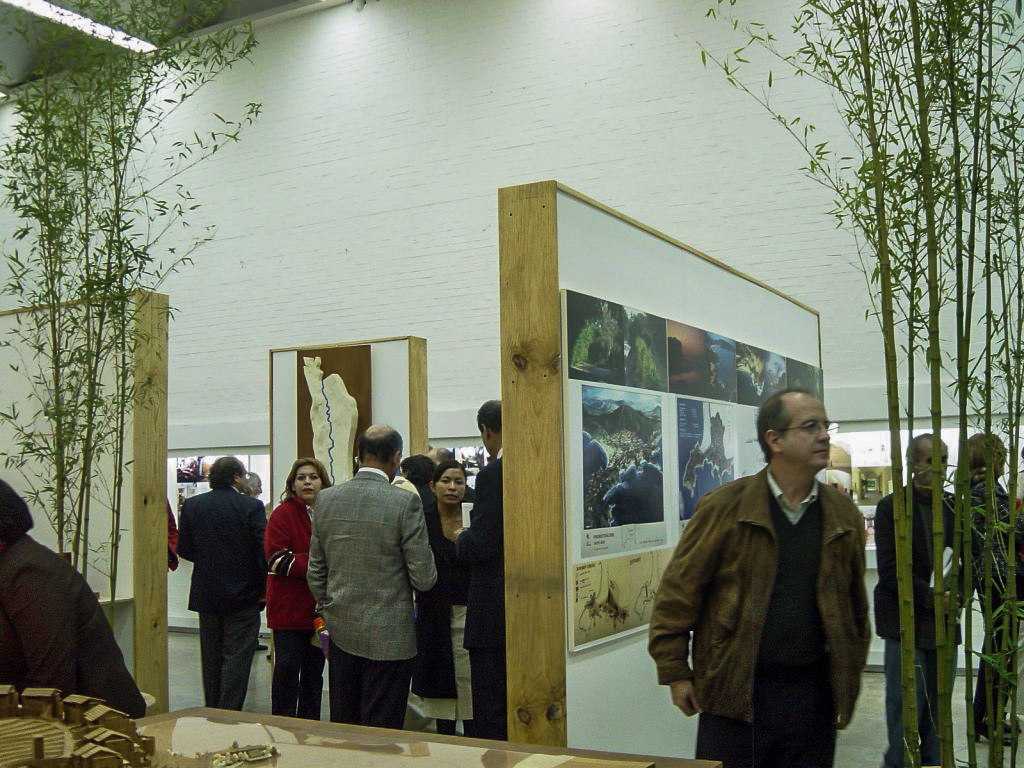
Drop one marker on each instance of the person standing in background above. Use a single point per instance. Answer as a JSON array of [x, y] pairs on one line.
[[482, 545], [221, 533], [298, 680], [368, 552]]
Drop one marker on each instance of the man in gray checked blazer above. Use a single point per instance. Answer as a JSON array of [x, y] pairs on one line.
[[368, 552]]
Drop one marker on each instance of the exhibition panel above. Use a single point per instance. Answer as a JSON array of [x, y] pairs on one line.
[[655, 358]]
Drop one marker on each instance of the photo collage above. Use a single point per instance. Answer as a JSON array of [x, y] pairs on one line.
[[717, 382]]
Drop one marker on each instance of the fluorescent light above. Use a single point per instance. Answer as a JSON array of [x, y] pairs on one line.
[[82, 23]]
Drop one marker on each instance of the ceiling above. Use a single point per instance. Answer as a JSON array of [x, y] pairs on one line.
[[17, 56]]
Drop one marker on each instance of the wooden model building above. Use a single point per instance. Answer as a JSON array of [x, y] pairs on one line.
[[39, 729]]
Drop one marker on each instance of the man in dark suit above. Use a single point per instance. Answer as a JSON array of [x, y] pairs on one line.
[[369, 550], [483, 546], [221, 532]]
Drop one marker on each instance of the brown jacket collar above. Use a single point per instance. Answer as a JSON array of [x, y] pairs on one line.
[[756, 507]]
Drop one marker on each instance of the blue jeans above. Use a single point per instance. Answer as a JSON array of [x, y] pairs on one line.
[[926, 686]]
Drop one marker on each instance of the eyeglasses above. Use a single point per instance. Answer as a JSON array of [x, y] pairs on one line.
[[815, 428]]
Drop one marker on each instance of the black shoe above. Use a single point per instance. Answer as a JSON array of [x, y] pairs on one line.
[[261, 647]]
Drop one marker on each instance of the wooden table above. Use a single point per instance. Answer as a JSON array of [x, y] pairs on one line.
[[315, 744]]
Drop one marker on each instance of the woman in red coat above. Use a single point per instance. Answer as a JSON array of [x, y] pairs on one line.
[[298, 679]]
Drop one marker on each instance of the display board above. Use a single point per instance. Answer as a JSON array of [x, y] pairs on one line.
[[385, 379], [656, 432], [631, 366], [140, 599]]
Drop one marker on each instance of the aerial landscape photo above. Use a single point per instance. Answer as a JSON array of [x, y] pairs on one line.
[[622, 458]]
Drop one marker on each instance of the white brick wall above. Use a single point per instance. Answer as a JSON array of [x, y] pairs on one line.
[[364, 202]]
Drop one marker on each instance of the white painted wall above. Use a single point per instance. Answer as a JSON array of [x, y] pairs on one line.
[[363, 203]]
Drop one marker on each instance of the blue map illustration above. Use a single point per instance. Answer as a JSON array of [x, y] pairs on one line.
[[706, 450]]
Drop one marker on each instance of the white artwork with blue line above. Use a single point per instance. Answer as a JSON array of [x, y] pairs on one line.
[[333, 416]]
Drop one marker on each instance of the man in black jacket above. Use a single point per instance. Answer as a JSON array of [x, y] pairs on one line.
[[483, 546], [887, 620], [221, 532]]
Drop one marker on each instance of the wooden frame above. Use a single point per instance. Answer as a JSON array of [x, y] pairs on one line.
[[149, 499], [533, 409], [148, 479], [417, 439]]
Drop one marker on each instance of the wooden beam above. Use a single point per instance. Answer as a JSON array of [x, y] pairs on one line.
[[418, 432], [531, 392], [149, 497]]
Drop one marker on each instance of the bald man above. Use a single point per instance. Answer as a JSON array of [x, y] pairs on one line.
[[369, 551]]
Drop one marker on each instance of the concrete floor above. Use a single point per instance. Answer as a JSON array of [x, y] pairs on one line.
[[860, 745]]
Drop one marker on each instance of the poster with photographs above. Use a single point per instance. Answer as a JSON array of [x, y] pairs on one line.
[[621, 462], [645, 351], [707, 450], [701, 363], [759, 374], [595, 331], [805, 376]]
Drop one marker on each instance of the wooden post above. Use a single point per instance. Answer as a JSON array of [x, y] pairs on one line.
[[531, 392], [149, 498], [418, 433]]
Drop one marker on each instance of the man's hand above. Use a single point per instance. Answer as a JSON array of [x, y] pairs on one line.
[[684, 696]]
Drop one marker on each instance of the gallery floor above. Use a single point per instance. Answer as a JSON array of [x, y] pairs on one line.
[[860, 746]]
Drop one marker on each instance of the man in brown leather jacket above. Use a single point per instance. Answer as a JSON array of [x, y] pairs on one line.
[[768, 579]]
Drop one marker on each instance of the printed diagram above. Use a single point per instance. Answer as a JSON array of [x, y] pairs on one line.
[[333, 416], [707, 449], [615, 595]]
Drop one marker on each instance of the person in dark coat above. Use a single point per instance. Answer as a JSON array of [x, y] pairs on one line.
[[441, 675], [221, 532], [53, 633], [482, 545], [298, 681], [887, 611]]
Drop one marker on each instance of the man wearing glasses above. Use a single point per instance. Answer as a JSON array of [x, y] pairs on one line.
[[768, 581]]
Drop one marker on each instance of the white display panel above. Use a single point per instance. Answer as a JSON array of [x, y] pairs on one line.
[[606, 256]]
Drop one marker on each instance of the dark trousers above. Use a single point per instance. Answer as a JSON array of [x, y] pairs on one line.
[[926, 686], [793, 725], [367, 691], [298, 682], [490, 701], [227, 643], [987, 677]]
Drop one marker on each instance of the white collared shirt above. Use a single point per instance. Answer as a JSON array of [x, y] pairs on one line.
[[792, 513], [380, 472]]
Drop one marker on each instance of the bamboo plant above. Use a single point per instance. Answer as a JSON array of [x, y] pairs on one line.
[[95, 177]]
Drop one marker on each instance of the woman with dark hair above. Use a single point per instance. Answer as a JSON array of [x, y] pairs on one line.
[[298, 679], [53, 633], [441, 673]]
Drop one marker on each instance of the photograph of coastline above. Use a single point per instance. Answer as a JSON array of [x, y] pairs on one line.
[[701, 363], [707, 450], [759, 374], [595, 331]]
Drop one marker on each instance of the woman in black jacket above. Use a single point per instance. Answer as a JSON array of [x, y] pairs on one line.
[[441, 673]]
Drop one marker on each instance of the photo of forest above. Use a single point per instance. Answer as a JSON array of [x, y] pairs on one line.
[[645, 352], [596, 344], [805, 376], [622, 458]]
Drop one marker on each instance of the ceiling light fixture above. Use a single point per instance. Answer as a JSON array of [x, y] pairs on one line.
[[82, 23]]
